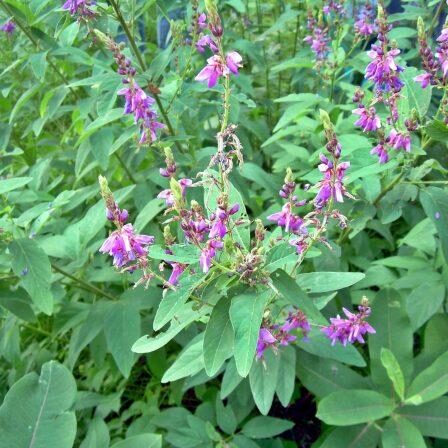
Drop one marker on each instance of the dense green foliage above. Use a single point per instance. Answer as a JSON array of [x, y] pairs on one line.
[[87, 360]]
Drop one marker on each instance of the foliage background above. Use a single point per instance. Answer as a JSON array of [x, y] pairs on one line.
[[69, 321]]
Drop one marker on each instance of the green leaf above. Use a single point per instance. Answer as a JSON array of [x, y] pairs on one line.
[[417, 98], [186, 315], [246, 314], [359, 436], [189, 362], [328, 281], [393, 370], [148, 213], [182, 253], [225, 417], [263, 381], [286, 374], [437, 130], [140, 441], [265, 427], [430, 384], [430, 418], [345, 408], [33, 267], [122, 327], [218, 338], [435, 204], [230, 380], [36, 410], [424, 302], [293, 293], [173, 300], [400, 432], [323, 376], [394, 332], [14, 183]]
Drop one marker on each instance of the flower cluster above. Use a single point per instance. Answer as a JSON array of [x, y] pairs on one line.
[[220, 64], [351, 329], [436, 68], [273, 336], [123, 244], [333, 6], [384, 72], [80, 8], [137, 102], [318, 39], [8, 27], [365, 22]]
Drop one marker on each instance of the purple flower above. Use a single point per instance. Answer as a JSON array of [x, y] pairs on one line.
[[178, 269], [220, 218], [383, 70], [168, 195], [287, 219], [425, 79], [442, 56], [332, 185], [265, 340], [381, 151], [318, 41], [399, 140], [124, 245], [296, 320], [208, 253], [216, 68], [351, 329], [368, 119], [8, 27], [80, 7], [364, 24], [206, 41], [202, 21]]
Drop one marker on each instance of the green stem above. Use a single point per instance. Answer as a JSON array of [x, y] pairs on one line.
[[436, 17], [388, 188], [225, 117], [85, 284]]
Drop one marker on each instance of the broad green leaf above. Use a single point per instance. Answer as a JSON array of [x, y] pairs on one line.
[[359, 436], [122, 327], [20, 103], [400, 432], [189, 362], [394, 332], [246, 314], [182, 253], [437, 130], [430, 418], [186, 315], [31, 264], [293, 293], [218, 338], [225, 417], [230, 380], [417, 98], [263, 380], [346, 408], [14, 183], [328, 281], [323, 376], [36, 412], [265, 427], [430, 384], [393, 370], [173, 300], [140, 441], [286, 374], [435, 204], [424, 302]]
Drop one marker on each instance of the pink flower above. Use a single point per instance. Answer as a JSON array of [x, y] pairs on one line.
[[332, 185], [265, 340], [399, 140], [124, 245], [424, 79], [206, 41], [168, 195], [8, 27], [208, 253], [216, 68], [287, 219], [202, 21], [368, 119], [381, 151]]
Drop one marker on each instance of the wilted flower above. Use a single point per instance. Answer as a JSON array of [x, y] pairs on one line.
[[351, 329], [124, 245]]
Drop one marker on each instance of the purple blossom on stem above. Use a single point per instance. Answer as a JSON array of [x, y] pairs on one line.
[[220, 221], [80, 8], [8, 27], [168, 195], [206, 41], [399, 140], [202, 21], [364, 24], [208, 253], [381, 151], [383, 70], [318, 41], [125, 246], [287, 219], [351, 329], [332, 185], [216, 68], [368, 119], [265, 340]]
